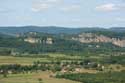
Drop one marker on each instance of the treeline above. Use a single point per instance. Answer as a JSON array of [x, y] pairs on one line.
[[110, 34]]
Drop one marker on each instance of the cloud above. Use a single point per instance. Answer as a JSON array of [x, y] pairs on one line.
[[107, 7], [43, 5], [52, 1], [111, 7], [70, 8], [40, 7]]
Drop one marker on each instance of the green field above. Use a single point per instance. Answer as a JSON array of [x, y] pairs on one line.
[[33, 78], [29, 60], [30, 77], [19, 60], [107, 77]]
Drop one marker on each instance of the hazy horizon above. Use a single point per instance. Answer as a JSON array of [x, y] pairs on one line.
[[66, 26]]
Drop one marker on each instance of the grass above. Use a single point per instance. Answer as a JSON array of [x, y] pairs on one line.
[[30, 60], [107, 77], [19, 60], [56, 55], [33, 78]]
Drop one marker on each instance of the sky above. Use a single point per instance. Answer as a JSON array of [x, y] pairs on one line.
[[66, 13]]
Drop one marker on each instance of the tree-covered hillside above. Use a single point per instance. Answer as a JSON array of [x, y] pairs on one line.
[[61, 43]]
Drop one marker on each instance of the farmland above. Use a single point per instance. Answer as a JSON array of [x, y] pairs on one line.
[[89, 57], [33, 78]]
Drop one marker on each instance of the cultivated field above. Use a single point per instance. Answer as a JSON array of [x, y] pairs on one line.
[[30, 60], [33, 78], [19, 60]]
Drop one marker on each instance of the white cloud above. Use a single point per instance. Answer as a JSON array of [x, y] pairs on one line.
[[71, 8], [40, 7], [53, 1], [43, 5], [107, 7], [49, 1]]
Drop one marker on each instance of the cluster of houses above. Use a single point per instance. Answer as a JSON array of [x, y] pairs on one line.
[[82, 69]]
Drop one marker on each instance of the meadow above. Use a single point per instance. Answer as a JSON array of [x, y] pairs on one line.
[[29, 59], [33, 78], [46, 76]]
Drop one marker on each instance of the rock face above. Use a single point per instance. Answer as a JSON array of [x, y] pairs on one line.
[[120, 43], [32, 40], [38, 40], [49, 41], [93, 38]]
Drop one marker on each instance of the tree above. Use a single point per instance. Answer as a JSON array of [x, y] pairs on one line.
[[40, 80], [5, 72]]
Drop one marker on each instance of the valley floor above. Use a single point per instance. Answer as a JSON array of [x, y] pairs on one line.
[[33, 78]]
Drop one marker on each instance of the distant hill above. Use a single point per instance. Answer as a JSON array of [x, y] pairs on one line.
[[55, 29], [46, 29], [118, 29]]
